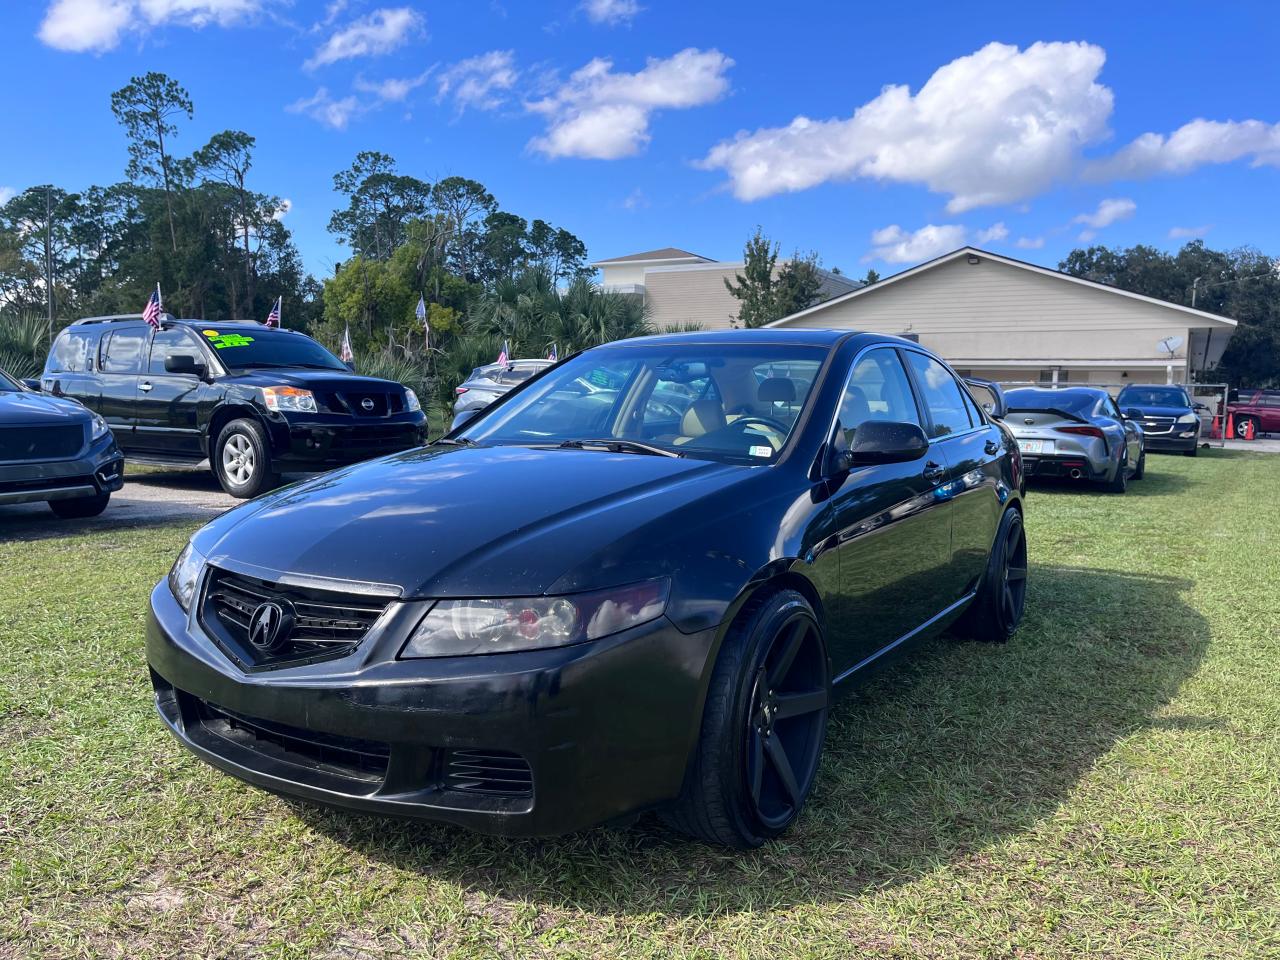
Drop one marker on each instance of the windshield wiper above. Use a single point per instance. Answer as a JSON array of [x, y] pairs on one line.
[[455, 442], [615, 445]]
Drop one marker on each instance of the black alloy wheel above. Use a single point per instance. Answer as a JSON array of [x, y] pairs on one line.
[[997, 610], [1013, 580]]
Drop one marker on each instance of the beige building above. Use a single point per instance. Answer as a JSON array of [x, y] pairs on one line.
[[683, 288], [1003, 319]]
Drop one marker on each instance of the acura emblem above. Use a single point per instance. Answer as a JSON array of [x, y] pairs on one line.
[[270, 625], [367, 403]]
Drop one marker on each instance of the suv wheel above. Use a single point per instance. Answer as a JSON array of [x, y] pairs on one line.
[[242, 459], [81, 507], [762, 727]]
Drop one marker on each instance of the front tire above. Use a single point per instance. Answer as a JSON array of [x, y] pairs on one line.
[[1194, 451], [1142, 466], [997, 610], [242, 459], [81, 508], [762, 727]]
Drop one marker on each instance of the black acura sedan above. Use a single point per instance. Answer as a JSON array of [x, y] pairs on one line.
[[586, 603]]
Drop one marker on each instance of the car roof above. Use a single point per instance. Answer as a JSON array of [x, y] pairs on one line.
[[171, 321], [796, 336]]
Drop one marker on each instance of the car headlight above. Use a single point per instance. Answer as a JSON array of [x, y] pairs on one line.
[[411, 400], [185, 575], [98, 428], [457, 628], [289, 400], [1189, 418]]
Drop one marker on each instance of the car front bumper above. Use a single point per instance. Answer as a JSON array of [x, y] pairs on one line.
[[604, 729], [1175, 441], [100, 470], [331, 441]]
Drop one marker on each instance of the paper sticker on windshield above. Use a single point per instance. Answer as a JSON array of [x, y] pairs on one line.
[[221, 341], [761, 451]]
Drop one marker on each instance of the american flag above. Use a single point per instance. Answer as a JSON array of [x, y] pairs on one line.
[[273, 318], [421, 313], [503, 356], [554, 355], [347, 355], [154, 309]]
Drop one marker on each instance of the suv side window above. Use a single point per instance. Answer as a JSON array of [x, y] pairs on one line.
[[941, 394], [877, 389], [168, 342], [123, 350], [71, 352]]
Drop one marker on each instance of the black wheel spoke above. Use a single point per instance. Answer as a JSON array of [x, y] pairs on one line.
[[798, 704], [781, 764], [756, 761], [790, 647], [1007, 604], [1017, 573]]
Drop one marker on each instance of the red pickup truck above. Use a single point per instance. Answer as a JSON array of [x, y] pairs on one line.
[[1260, 406]]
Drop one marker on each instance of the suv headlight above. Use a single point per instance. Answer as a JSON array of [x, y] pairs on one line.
[[411, 401], [185, 575], [1189, 418], [456, 628], [289, 400], [98, 428]]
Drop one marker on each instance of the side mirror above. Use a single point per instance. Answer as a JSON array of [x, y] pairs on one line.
[[1200, 407], [184, 363], [31, 384], [1133, 413], [988, 395], [880, 441]]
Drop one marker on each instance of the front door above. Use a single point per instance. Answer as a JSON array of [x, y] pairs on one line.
[[168, 403], [121, 356], [892, 523]]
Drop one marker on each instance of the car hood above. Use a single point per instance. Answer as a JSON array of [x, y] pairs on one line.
[[38, 409], [1150, 410], [312, 379], [466, 522]]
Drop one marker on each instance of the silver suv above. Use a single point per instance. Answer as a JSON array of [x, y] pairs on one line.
[[486, 384]]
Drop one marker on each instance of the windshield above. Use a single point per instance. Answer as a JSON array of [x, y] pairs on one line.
[[253, 347], [735, 402], [1031, 400], [1153, 397], [7, 384]]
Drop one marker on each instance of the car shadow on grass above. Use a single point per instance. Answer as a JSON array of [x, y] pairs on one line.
[[939, 756], [1156, 483]]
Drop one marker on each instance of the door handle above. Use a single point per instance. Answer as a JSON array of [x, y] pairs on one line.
[[934, 471], [992, 448], [144, 386]]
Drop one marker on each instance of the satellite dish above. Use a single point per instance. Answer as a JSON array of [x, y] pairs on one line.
[[1169, 345]]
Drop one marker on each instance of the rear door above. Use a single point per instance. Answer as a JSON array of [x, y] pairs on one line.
[[122, 354], [69, 369], [168, 403]]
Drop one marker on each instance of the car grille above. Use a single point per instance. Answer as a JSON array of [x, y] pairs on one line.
[[1157, 424], [492, 772], [326, 623], [351, 402], [61, 442], [348, 757]]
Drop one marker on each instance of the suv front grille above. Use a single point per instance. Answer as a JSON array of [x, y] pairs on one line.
[[60, 442], [325, 623], [494, 772], [1157, 424]]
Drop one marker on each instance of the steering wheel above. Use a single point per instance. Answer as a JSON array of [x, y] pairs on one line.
[[772, 424]]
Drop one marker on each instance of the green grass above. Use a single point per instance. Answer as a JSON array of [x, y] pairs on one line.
[[1106, 785]]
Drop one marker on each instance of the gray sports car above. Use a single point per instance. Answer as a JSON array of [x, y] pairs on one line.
[[1076, 432]]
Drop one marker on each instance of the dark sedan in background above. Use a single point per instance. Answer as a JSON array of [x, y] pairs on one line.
[[55, 451], [1076, 432], [587, 603], [1170, 419]]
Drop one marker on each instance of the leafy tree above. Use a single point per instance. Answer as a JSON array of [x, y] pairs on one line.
[[146, 108], [768, 292], [380, 205], [464, 204], [871, 277], [798, 285], [227, 158], [504, 246]]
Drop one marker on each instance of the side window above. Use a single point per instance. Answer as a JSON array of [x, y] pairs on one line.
[[942, 395], [168, 342], [70, 353], [123, 351], [877, 389]]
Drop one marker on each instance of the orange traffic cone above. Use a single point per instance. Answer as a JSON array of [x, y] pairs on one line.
[[1231, 426], [1248, 430]]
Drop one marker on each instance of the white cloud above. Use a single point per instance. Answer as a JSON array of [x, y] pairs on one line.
[[393, 89], [7, 194], [282, 211], [611, 12], [635, 200], [1029, 243], [324, 109], [997, 126], [1107, 213], [993, 234], [98, 25], [603, 115], [1192, 145], [1189, 233], [892, 244], [380, 32], [481, 82]]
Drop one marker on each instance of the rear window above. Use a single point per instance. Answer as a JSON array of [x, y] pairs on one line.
[[1153, 397], [1033, 401]]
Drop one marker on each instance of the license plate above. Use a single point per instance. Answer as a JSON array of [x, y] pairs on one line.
[[1035, 446]]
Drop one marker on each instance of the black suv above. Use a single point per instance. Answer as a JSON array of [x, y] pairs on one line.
[[250, 399]]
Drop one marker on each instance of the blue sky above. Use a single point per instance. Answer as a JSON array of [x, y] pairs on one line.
[[639, 123]]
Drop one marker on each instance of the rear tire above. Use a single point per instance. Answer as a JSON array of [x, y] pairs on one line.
[[762, 727], [1120, 482], [1142, 466], [81, 508], [997, 610], [242, 460]]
